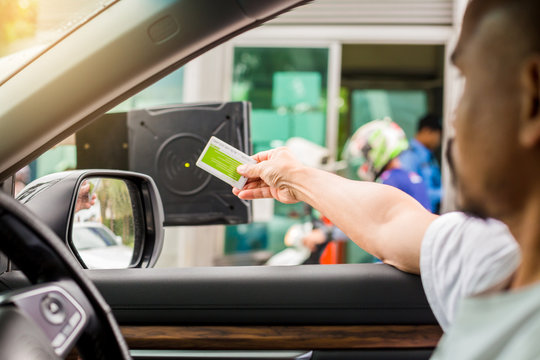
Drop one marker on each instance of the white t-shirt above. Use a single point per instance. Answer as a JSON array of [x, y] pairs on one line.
[[463, 256]]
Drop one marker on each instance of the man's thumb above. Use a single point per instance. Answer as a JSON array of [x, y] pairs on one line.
[[248, 170]]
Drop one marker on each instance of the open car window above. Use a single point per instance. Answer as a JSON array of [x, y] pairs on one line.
[[272, 79], [292, 83]]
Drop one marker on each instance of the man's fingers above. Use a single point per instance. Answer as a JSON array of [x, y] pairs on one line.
[[249, 170], [257, 193], [263, 155], [253, 170], [253, 184]]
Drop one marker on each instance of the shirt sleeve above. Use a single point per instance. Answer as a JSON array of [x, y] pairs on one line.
[[463, 256]]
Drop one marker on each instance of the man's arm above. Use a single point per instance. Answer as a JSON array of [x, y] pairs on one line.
[[381, 219]]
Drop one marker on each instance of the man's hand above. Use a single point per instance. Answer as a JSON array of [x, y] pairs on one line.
[[268, 178], [84, 201]]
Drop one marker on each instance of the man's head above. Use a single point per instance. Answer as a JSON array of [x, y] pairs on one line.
[[429, 131], [497, 142]]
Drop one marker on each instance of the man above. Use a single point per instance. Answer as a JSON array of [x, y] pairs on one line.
[[419, 157], [485, 295]]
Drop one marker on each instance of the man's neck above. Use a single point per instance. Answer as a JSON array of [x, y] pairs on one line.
[[526, 229]]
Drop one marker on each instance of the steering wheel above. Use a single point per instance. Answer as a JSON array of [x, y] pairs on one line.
[[62, 308]]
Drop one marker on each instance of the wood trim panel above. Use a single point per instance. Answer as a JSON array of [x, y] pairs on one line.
[[281, 337]]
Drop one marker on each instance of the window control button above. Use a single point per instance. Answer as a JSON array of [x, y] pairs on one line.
[[74, 320], [67, 329], [58, 340]]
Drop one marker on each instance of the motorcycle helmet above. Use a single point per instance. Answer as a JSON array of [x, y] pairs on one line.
[[373, 146]]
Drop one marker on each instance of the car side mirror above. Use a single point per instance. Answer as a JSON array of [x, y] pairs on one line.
[[108, 219]]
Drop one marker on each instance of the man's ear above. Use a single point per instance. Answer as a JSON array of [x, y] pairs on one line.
[[529, 127]]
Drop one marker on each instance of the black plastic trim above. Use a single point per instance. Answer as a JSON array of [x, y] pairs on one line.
[[356, 294]]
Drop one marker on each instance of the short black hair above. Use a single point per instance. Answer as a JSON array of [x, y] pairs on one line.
[[430, 121], [523, 15]]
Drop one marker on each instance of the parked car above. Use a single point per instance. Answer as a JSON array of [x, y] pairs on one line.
[[369, 311], [99, 247]]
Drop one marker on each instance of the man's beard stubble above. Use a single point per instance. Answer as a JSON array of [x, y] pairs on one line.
[[465, 203]]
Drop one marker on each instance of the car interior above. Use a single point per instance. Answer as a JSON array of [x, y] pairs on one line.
[[53, 305]]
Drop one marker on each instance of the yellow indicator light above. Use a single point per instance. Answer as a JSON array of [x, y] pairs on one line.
[[187, 165]]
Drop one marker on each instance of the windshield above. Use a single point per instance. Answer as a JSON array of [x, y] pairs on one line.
[[28, 27]]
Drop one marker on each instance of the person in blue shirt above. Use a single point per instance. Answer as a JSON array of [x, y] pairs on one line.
[[419, 157], [376, 147], [407, 181]]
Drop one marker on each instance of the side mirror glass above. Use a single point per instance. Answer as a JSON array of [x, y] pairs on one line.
[[103, 232]]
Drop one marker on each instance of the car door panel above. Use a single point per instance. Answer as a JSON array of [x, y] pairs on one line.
[[324, 308], [301, 295], [369, 294]]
